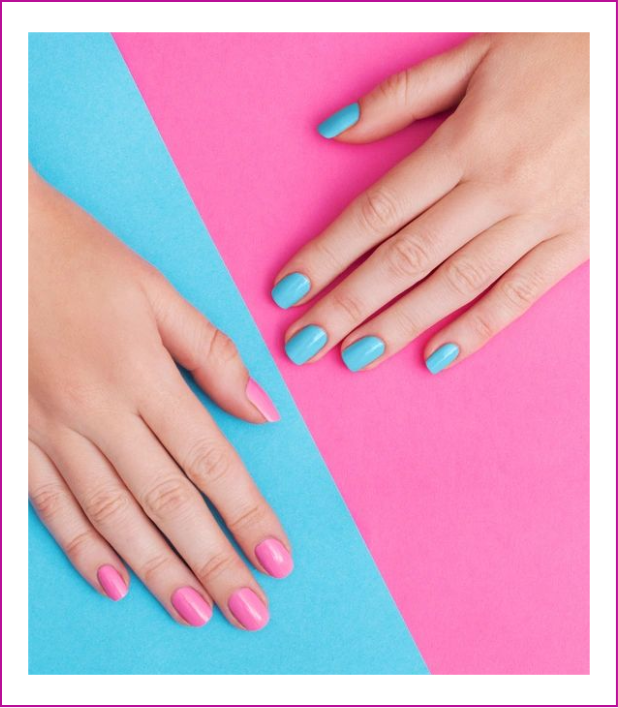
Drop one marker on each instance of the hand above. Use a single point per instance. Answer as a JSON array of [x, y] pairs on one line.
[[495, 204], [120, 447]]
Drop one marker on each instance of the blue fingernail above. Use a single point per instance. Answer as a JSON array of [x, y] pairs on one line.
[[362, 352], [305, 344], [289, 290], [340, 121], [442, 357]]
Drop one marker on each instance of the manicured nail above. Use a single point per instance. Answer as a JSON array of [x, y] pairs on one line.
[[362, 352], [191, 606], [289, 290], [442, 357], [274, 557], [305, 344], [112, 582], [248, 609], [340, 121], [256, 394]]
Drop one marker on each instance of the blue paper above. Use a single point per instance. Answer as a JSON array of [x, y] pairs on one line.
[[92, 137]]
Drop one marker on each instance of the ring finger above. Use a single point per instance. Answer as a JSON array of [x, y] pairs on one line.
[[174, 504], [463, 277]]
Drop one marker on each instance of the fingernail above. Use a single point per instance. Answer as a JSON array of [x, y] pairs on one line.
[[305, 344], [274, 557], [442, 357], [289, 290], [248, 609], [112, 582], [340, 121], [256, 394], [191, 606], [362, 352]]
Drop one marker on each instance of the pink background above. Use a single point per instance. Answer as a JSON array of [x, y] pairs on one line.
[[470, 488]]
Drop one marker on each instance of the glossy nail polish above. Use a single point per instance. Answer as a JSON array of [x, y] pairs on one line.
[[191, 606], [274, 557], [362, 352], [340, 121], [112, 582], [256, 394], [442, 357], [248, 609], [289, 290], [305, 344]]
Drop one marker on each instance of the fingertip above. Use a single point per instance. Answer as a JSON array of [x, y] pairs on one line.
[[441, 357], [339, 122], [262, 402], [363, 352], [112, 582], [290, 290]]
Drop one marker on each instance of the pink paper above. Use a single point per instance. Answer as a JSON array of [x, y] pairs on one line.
[[471, 487]]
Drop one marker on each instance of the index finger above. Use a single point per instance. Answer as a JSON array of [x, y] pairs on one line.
[[402, 194]]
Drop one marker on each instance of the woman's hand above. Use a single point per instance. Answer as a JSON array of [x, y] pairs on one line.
[[120, 448], [495, 204]]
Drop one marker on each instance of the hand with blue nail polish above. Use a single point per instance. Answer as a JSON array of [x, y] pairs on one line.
[[495, 204]]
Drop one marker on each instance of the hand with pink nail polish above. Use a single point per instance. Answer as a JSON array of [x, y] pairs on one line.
[[491, 211], [121, 450]]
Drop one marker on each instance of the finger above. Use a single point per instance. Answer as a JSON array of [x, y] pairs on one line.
[[113, 511], [57, 508], [394, 267], [209, 354], [458, 281], [400, 196], [507, 300], [434, 85], [187, 431], [174, 504]]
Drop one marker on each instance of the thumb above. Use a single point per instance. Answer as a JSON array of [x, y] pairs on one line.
[[209, 354], [434, 85]]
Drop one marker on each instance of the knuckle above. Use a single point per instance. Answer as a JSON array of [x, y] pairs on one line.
[[248, 517], [170, 497], [221, 347], [80, 546], [464, 276], [349, 305], [407, 322], [325, 256], [407, 257], [207, 463], [378, 209], [215, 567], [48, 501], [482, 325], [153, 568], [106, 505], [520, 291], [396, 87]]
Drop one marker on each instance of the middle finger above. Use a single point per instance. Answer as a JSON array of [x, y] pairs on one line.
[[393, 268], [177, 508]]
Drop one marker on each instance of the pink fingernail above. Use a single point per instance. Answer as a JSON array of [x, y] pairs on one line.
[[256, 394], [275, 558], [112, 582], [191, 606], [248, 609]]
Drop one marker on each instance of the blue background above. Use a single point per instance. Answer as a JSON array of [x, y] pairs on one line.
[[91, 136]]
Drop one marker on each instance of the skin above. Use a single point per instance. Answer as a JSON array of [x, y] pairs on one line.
[[120, 447], [493, 209]]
